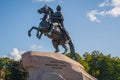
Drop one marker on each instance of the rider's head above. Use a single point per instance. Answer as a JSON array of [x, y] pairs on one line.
[[58, 8]]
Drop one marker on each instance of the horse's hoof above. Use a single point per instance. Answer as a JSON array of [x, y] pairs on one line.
[[75, 58], [63, 53], [39, 37], [57, 51], [29, 34]]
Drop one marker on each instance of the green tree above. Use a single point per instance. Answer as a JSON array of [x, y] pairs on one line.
[[80, 60], [12, 70], [4, 64], [103, 67]]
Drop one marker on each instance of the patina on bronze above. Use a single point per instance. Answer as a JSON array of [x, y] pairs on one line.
[[51, 25]]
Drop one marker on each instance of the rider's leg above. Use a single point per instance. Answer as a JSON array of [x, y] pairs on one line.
[[50, 29], [66, 37], [65, 33]]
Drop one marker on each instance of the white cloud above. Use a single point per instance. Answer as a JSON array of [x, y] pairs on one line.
[[106, 3], [92, 16], [43, 0], [116, 3], [35, 47], [15, 54], [114, 11]]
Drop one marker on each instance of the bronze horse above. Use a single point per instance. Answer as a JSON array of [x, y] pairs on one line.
[[52, 31]]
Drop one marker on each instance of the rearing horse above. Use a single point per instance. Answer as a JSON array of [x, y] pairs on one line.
[[52, 31]]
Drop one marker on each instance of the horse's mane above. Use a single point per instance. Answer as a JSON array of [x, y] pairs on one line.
[[51, 10]]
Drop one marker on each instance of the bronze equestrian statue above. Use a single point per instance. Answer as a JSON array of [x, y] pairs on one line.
[[52, 27]]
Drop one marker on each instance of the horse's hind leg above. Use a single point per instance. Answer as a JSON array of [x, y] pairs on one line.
[[55, 45], [65, 47]]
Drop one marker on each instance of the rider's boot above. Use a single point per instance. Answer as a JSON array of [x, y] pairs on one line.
[[50, 29], [66, 36]]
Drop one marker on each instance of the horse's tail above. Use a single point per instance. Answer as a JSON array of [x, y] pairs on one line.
[[72, 50]]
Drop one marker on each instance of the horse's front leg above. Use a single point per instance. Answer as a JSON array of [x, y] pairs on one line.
[[39, 35], [29, 32]]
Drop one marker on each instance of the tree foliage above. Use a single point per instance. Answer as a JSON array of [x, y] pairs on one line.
[[12, 70], [103, 67], [80, 60]]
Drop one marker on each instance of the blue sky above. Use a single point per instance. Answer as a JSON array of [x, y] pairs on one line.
[[92, 25]]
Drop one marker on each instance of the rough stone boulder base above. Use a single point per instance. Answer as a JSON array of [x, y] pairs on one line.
[[53, 66], [52, 76]]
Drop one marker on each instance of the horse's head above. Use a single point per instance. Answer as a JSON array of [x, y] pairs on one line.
[[46, 10]]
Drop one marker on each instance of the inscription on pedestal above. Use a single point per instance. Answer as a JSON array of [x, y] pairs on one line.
[[56, 64]]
